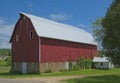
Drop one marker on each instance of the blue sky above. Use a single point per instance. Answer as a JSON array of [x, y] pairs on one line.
[[79, 13]]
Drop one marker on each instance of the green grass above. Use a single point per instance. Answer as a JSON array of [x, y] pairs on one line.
[[99, 76], [4, 69], [86, 72], [4, 73], [97, 79], [3, 63]]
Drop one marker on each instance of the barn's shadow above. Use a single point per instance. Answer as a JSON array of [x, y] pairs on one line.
[[99, 79]]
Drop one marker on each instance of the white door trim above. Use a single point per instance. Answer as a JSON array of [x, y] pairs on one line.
[[24, 67]]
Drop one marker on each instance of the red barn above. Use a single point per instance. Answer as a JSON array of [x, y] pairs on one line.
[[39, 44]]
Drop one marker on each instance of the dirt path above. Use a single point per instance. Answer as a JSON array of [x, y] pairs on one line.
[[53, 79], [6, 80]]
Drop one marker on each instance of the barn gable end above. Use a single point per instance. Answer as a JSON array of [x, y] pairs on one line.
[[25, 44]]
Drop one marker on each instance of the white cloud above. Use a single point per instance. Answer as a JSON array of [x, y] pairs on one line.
[[6, 29], [87, 28], [81, 26], [59, 17], [5, 33], [1, 21]]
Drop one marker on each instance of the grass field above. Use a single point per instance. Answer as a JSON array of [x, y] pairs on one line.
[[4, 69], [101, 76], [96, 79], [4, 73], [3, 63], [98, 76]]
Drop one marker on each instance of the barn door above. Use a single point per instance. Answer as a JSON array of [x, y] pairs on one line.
[[67, 65], [24, 67]]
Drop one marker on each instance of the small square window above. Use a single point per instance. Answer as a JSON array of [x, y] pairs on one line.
[[17, 38], [24, 17], [31, 35], [101, 64]]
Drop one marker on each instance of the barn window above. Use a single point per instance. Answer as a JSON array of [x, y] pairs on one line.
[[31, 35], [24, 17], [17, 38], [101, 64]]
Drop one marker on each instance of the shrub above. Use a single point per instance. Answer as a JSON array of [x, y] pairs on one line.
[[70, 65], [84, 63], [8, 60], [63, 70], [75, 67], [81, 63]]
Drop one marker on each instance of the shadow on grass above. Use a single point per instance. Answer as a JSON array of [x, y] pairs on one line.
[[97, 79], [17, 75], [6, 75]]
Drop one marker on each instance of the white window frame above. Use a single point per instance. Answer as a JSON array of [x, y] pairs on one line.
[[17, 38], [31, 35]]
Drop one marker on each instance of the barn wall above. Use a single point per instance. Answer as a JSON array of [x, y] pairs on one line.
[[25, 49], [53, 50]]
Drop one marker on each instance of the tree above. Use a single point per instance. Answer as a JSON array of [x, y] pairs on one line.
[[98, 31], [8, 60], [111, 39], [88, 63], [70, 65], [98, 34]]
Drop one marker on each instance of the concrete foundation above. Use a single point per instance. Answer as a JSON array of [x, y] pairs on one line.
[[52, 66], [35, 67]]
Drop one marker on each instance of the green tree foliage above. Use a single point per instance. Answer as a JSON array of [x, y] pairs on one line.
[[8, 60], [88, 63], [111, 39], [5, 52], [98, 34], [84, 63], [81, 63], [100, 53], [70, 65], [98, 31]]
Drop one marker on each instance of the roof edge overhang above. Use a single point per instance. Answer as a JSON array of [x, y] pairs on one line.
[[68, 40]]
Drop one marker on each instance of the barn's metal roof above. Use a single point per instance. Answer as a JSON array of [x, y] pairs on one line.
[[52, 29], [100, 59]]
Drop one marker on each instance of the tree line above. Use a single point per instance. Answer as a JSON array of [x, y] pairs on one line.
[[106, 31], [5, 52]]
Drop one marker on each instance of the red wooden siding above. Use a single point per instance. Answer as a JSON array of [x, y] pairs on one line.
[[53, 50], [26, 49]]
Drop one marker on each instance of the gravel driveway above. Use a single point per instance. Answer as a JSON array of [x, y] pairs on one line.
[[46, 79], [11, 80]]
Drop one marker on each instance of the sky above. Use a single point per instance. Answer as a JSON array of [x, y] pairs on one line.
[[78, 13]]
